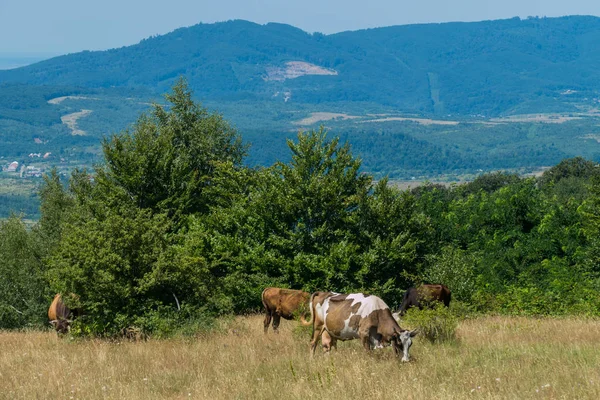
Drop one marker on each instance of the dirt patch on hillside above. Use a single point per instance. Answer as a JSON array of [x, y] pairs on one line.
[[323, 116], [296, 69], [543, 118], [71, 121], [422, 121], [591, 136], [58, 100]]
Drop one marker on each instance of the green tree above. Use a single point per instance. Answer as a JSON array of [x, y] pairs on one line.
[[169, 159], [118, 266], [24, 295], [117, 248], [395, 235], [292, 225], [55, 207], [324, 188], [577, 167]]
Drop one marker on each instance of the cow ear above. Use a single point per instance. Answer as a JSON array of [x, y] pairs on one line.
[[54, 323], [414, 333]]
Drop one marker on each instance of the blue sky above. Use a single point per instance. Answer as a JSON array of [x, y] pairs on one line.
[[67, 26]]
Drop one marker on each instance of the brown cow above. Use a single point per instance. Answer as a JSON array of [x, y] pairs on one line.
[[425, 295], [356, 316], [60, 315], [281, 303]]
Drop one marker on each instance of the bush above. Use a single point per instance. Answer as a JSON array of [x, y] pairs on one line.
[[437, 324], [166, 322], [454, 268], [24, 295], [161, 323], [462, 310]]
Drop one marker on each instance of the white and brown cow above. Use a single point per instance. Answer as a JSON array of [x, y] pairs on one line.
[[356, 316]]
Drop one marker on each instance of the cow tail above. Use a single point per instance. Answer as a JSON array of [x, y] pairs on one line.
[[303, 320], [262, 298]]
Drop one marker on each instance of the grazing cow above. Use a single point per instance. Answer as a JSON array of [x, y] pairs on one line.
[[356, 316], [281, 303], [424, 295], [60, 315]]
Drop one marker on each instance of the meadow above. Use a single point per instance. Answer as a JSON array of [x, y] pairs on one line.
[[493, 358]]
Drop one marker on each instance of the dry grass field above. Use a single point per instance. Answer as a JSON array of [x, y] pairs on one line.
[[494, 358]]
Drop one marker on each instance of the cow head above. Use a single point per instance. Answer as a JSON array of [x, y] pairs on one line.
[[62, 326], [404, 341]]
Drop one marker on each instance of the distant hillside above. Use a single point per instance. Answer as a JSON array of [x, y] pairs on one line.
[[490, 68]]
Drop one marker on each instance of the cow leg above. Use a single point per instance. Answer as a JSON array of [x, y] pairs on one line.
[[315, 339], [366, 342], [396, 347], [276, 321], [267, 320]]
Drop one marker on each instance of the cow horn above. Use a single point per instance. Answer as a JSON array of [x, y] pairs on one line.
[[54, 322]]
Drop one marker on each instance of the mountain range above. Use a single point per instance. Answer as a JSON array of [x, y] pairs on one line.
[[488, 68], [442, 102]]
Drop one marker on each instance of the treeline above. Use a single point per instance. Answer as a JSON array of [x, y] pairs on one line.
[[173, 229], [27, 205]]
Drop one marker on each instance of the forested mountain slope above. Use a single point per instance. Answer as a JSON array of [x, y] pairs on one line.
[[490, 67]]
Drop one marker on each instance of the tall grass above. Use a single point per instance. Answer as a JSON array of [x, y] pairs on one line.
[[494, 358]]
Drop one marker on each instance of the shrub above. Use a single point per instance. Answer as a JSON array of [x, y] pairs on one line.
[[436, 324], [454, 268], [161, 323]]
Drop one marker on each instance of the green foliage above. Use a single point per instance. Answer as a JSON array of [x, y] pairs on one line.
[[325, 187], [437, 324], [488, 183], [454, 268], [118, 244], [26, 205], [118, 266], [577, 167], [24, 296], [169, 159], [54, 208]]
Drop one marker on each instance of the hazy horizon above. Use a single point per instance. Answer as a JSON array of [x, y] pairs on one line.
[[16, 60]]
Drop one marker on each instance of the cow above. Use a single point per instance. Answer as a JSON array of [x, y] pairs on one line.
[[60, 315], [337, 316], [424, 295], [280, 303]]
